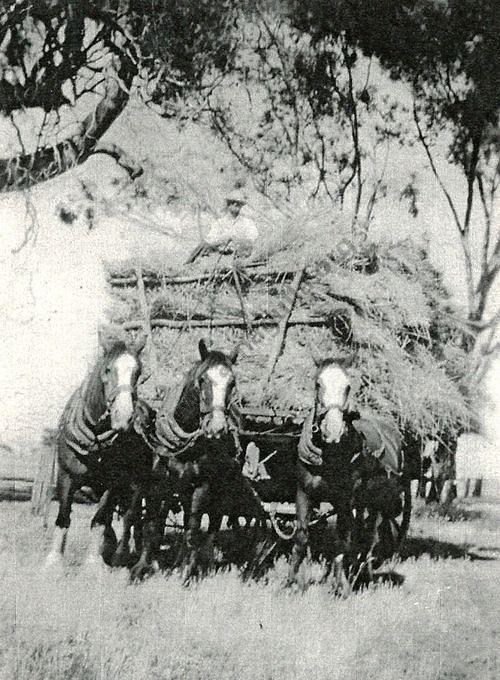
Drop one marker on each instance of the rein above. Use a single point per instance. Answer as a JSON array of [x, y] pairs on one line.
[[308, 452]]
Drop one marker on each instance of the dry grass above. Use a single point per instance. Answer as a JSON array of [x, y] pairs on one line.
[[440, 624]]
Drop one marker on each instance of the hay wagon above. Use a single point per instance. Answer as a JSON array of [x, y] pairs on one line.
[[281, 316]]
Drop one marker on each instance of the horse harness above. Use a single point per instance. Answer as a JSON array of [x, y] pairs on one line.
[[172, 440], [80, 430], [379, 440]]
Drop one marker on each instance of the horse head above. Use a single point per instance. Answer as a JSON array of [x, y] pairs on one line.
[[120, 368], [215, 380], [332, 389]]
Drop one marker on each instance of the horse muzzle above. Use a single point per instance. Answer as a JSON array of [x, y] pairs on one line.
[[121, 409], [332, 426], [214, 424]]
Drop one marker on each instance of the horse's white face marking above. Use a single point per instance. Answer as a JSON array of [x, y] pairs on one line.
[[334, 383], [333, 389], [123, 406], [220, 378]]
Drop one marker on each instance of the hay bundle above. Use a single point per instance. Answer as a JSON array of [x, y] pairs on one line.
[[382, 303]]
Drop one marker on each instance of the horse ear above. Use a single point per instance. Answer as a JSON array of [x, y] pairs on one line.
[[234, 354], [203, 349], [348, 359], [315, 356], [139, 343], [107, 336]]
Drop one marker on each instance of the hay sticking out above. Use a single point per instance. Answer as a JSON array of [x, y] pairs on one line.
[[382, 302]]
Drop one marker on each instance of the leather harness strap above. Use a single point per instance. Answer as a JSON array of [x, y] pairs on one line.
[[308, 452]]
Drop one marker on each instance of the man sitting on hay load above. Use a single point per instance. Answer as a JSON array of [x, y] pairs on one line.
[[234, 232]]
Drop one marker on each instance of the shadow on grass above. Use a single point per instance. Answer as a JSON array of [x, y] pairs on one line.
[[450, 512], [255, 551], [436, 549]]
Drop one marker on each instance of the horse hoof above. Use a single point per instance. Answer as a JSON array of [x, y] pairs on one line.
[[140, 571], [295, 587], [121, 558], [54, 565], [108, 546], [189, 577], [341, 589]]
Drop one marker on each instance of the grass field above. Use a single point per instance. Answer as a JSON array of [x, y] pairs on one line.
[[442, 623]]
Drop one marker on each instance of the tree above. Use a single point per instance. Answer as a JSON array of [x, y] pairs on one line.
[[447, 51], [302, 123], [60, 57]]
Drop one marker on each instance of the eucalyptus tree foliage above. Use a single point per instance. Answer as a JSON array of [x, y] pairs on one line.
[[75, 63], [303, 116], [448, 52]]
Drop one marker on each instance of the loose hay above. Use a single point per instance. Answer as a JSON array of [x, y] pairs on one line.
[[384, 303]]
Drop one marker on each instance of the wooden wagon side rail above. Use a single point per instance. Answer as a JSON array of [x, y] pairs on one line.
[[225, 322], [219, 273]]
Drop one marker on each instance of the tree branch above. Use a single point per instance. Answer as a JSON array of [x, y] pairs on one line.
[[471, 176], [28, 169], [434, 169], [125, 161], [487, 223]]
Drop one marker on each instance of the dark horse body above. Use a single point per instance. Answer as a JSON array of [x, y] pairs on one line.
[[196, 461], [100, 445], [334, 466]]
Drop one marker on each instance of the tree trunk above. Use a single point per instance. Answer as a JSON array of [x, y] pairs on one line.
[[27, 169]]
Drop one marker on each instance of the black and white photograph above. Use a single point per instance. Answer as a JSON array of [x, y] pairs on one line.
[[250, 339]]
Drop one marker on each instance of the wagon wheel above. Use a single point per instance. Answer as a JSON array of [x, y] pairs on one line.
[[284, 525]]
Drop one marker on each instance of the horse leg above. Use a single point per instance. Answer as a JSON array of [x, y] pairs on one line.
[[130, 519], [192, 533], [66, 490], [214, 525], [102, 538], [303, 508], [373, 522], [153, 530], [344, 533]]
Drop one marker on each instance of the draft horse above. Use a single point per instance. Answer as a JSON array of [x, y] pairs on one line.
[[100, 444], [196, 462], [336, 465]]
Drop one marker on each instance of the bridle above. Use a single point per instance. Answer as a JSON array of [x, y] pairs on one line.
[[320, 411], [206, 406], [122, 388]]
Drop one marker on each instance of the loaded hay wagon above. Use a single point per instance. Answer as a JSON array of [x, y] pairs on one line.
[[367, 299]]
